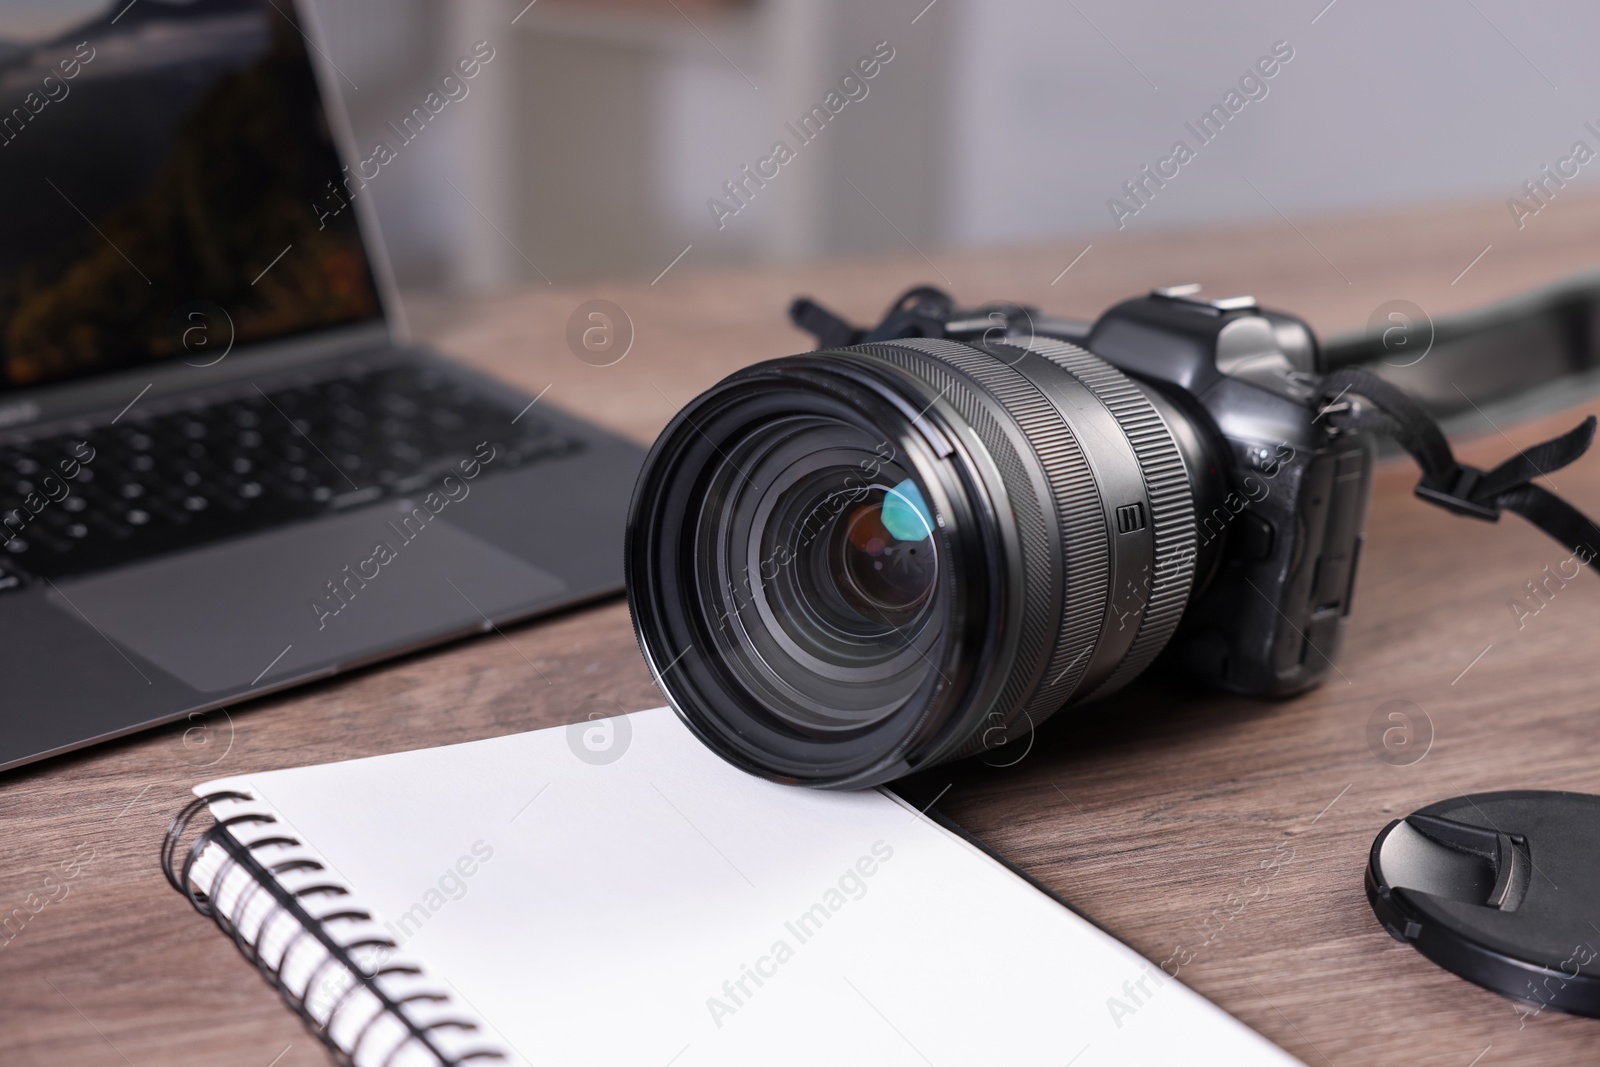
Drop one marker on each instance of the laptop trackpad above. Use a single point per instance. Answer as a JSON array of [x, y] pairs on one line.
[[335, 591]]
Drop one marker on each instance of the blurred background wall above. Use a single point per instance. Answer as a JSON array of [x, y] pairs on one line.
[[593, 140]]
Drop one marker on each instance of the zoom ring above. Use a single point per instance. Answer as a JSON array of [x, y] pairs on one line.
[[1171, 502], [1053, 641]]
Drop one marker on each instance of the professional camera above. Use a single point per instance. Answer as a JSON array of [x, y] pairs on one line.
[[923, 539]]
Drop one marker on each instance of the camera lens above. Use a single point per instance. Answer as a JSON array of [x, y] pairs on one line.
[[849, 565]]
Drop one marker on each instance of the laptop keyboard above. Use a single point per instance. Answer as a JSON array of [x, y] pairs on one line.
[[180, 472]]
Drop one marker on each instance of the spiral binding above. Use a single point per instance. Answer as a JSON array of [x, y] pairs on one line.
[[205, 899]]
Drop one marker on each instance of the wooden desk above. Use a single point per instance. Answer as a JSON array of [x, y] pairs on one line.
[[1149, 820]]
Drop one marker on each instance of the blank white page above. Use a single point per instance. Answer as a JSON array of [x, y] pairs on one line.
[[665, 908]]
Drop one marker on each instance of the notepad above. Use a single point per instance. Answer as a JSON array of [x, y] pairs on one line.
[[614, 893]]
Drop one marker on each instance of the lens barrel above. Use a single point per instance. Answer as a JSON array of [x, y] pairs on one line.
[[852, 564]]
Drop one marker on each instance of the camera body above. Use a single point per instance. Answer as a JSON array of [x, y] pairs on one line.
[[1284, 513], [1280, 494], [925, 538]]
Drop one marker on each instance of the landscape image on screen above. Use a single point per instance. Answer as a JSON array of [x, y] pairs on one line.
[[157, 155]]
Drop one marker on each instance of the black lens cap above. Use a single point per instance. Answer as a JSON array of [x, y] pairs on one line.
[[1499, 888]]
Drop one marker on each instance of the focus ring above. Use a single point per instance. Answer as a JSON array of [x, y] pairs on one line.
[[1075, 575], [1171, 502]]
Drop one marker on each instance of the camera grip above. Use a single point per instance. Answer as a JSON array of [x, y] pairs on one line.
[[1273, 621]]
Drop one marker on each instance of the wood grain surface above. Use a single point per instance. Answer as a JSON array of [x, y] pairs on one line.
[[1149, 815]]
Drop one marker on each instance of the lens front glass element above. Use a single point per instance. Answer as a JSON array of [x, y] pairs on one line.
[[849, 577], [880, 553], [827, 587]]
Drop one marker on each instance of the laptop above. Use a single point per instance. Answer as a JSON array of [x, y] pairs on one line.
[[223, 469]]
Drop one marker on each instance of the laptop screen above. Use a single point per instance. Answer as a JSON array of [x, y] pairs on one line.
[[170, 185]]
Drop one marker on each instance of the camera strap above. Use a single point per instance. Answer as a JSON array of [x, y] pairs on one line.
[[1455, 486]]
